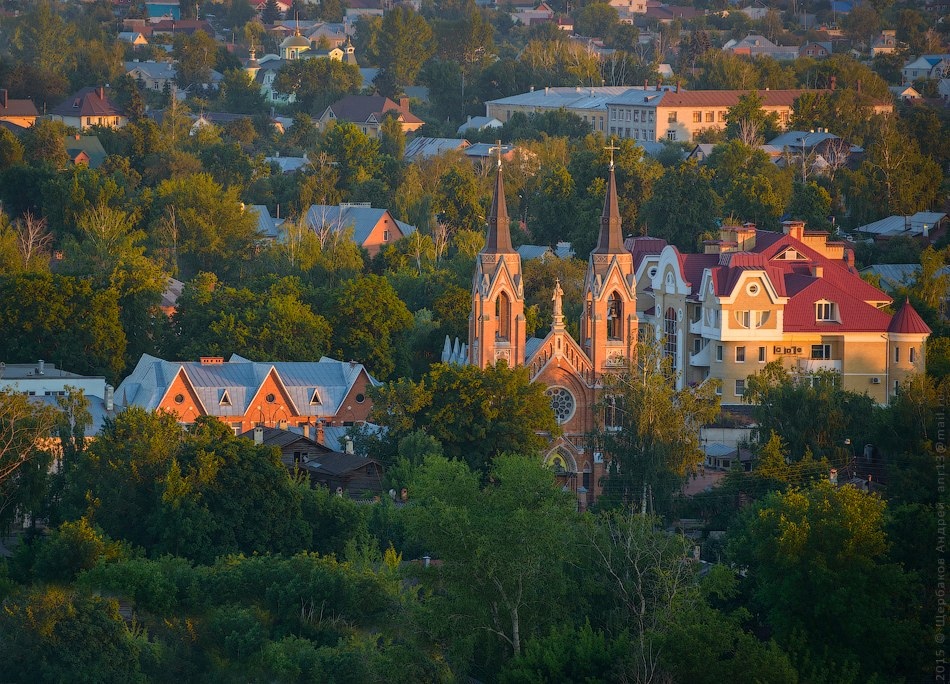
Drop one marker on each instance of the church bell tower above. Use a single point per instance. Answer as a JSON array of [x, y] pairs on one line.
[[496, 326], [609, 323]]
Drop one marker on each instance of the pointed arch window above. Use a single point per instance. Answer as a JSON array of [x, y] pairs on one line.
[[503, 314], [614, 317]]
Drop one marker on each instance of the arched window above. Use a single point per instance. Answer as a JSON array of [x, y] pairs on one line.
[[670, 334], [614, 317], [503, 314]]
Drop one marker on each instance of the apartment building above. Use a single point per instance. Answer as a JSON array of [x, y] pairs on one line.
[[588, 103], [681, 114], [756, 296]]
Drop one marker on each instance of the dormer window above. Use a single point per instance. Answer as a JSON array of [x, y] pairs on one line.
[[315, 398], [225, 399], [826, 311]]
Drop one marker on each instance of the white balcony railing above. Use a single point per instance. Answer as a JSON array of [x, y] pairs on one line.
[[702, 357], [813, 365]]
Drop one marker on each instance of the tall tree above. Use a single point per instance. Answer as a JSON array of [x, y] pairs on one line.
[[405, 42], [687, 187]]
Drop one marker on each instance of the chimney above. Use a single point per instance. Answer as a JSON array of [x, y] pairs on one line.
[[794, 228], [3, 97], [101, 92], [306, 430], [78, 137], [677, 86], [348, 445], [109, 398], [531, 89], [859, 86], [646, 84], [547, 90], [211, 360], [258, 436], [41, 367], [404, 103], [318, 435]]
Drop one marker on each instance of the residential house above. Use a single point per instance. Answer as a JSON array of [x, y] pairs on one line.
[[20, 113], [288, 164], [134, 38], [372, 228], [347, 474], [905, 93], [815, 49], [755, 296], [562, 250], [943, 90], [330, 33], [245, 394], [157, 10], [296, 448], [363, 8], [760, 46], [187, 27], [930, 67], [630, 6], [422, 148], [487, 153], [884, 44], [267, 226], [264, 72], [282, 6], [89, 107], [926, 226], [479, 123], [85, 150], [153, 75], [529, 16], [368, 111], [666, 14]]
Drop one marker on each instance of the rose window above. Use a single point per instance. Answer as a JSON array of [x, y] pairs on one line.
[[562, 401]]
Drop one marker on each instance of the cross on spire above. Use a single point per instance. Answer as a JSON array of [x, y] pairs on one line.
[[611, 148], [496, 149]]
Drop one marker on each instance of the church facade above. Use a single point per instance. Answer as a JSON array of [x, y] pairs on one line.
[[570, 369]]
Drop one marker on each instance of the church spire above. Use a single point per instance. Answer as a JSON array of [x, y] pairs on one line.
[[610, 240], [498, 240]]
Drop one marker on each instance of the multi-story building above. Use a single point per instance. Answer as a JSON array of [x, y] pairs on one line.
[[246, 394], [756, 296], [675, 114], [588, 103]]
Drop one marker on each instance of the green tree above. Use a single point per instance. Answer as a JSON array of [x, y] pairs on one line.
[[405, 41], [355, 155], [596, 19], [53, 634], [22, 461], [239, 94], [504, 547], [368, 321], [458, 199], [196, 55], [271, 12], [811, 203], [45, 143], [317, 83], [657, 444], [11, 150], [687, 187], [818, 569], [202, 225], [749, 122]]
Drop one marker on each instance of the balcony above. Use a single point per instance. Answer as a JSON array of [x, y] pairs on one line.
[[701, 358], [696, 327], [814, 365]]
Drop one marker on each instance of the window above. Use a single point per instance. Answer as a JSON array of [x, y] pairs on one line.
[[179, 398], [710, 117], [697, 345], [697, 117], [503, 314], [614, 317], [671, 135], [236, 428], [718, 390], [360, 398], [913, 355], [740, 387], [825, 311], [672, 117], [821, 351], [740, 354], [670, 334], [651, 116], [743, 318], [298, 457], [225, 399], [722, 116], [385, 236], [270, 398], [752, 289], [636, 115], [761, 354], [315, 397], [897, 354], [562, 401], [718, 352]]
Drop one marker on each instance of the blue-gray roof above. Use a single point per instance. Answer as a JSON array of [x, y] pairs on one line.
[[569, 98], [421, 147], [361, 218]]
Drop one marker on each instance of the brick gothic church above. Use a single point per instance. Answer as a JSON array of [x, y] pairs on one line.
[[571, 369]]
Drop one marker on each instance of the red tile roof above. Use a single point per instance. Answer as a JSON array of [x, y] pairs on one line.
[[728, 98], [854, 315], [641, 247], [88, 102], [359, 109], [908, 322]]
